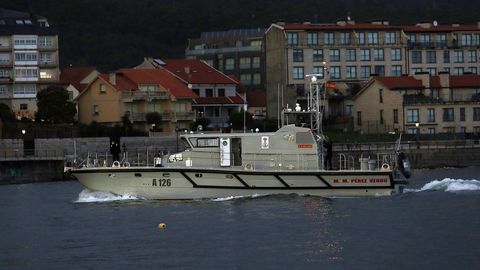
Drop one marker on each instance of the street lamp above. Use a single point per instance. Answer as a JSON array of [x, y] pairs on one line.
[[417, 135], [176, 132]]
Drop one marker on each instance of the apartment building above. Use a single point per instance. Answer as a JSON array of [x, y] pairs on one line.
[[419, 103], [349, 53], [135, 93], [236, 52], [437, 48], [29, 59]]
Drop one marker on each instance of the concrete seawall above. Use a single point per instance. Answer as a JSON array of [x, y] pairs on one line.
[[46, 161]]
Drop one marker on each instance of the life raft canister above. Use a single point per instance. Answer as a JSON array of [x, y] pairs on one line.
[[404, 165]]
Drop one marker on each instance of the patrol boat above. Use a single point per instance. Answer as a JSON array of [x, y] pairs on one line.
[[247, 164], [290, 160]]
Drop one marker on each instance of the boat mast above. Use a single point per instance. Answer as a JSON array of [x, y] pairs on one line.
[[316, 99]]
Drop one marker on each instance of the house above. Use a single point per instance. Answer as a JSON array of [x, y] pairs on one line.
[[134, 93], [75, 79], [217, 94], [419, 104]]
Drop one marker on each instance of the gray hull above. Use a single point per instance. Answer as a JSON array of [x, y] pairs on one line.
[[195, 183]]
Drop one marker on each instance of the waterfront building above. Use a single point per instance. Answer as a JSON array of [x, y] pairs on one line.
[[134, 93], [419, 103], [217, 94], [29, 59], [349, 53]]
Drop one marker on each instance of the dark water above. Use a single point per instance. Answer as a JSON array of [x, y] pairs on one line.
[[43, 226]]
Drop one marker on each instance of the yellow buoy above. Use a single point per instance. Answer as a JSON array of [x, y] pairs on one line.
[[162, 226]]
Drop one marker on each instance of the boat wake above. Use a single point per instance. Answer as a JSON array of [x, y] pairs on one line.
[[231, 198], [87, 196], [449, 185]]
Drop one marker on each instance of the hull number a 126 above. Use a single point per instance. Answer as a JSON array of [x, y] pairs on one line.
[[162, 182]]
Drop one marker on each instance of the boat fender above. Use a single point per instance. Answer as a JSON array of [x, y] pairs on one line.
[[404, 165], [116, 164], [385, 167], [248, 167], [126, 164]]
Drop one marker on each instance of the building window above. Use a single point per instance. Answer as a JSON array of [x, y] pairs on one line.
[[448, 115], [462, 114], [257, 79], [221, 92], [467, 39], [245, 63], [424, 38], [395, 116], [359, 118], [3, 90], [298, 73], [441, 40], [229, 64], [412, 115], [380, 70], [246, 79], [196, 91], [292, 38], [317, 55], [390, 38], [24, 90], [396, 54], [319, 71], [26, 57], [416, 57], [380, 95], [396, 70], [45, 42], [431, 131], [334, 55], [476, 114], [102, 89], [473, 70], [416, 70], [472, 56], [96, 110], [432, 71], [365, 72], [349, 110], [364, 54], [446, 56], [378, 55], [209, 92], [351, 72], [361, 38], [335, 72], [431, 57], [372, 37], [381, 117], [329, 38], [297, 55], [256, 62], [458, 56], [458, 70], [312, 38], [344, 38], [350, 55], [431, 115], [23, 106]]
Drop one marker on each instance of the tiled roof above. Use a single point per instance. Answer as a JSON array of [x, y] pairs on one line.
[[218, 100], [333, 26], [121, 82], [197, 72], [465, 81], [403, 82], [74, 76], [409, 82], [158, 76], [441, 28]]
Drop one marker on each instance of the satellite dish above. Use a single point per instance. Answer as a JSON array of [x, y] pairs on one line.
[[435, 23]]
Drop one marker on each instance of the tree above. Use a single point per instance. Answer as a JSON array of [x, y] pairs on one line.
[[6, 114], [155, 120], [54, 107], [239, 118]]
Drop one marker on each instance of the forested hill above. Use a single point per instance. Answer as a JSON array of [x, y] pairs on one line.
[[118, 33]]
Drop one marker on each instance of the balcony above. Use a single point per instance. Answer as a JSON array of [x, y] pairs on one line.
[[136, 95], [140, 117], [47, 64], [5, 63], [184, 116]]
